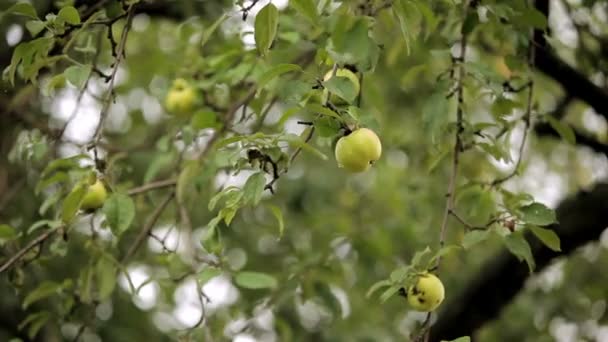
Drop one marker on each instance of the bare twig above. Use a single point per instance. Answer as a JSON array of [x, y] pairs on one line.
[[165, 183], [38, 240], [527, 119], [246, 9], [449, 206], [81, 92], [119, 57], [148, 227]]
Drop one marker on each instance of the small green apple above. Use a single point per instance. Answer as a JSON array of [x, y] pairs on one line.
[[342, 72], [95, 196], [358, 150], [427, 293], [180, 98]]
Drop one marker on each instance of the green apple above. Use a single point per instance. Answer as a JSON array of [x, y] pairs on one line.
[[342, 72], [180, 98], [95, 196], [427, 293], [358, 150]]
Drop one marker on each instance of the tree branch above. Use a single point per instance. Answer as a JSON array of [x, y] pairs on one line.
[[148, 227], [38, 240]]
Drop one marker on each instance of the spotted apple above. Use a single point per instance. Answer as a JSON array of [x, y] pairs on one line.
[[427, 293], [357, 151]]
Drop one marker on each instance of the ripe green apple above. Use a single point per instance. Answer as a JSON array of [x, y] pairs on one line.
[[95, 196], [427, 293], [358, 150], [180, 98], [342, 72]]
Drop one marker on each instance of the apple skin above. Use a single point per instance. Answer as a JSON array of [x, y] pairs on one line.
[[502, 68], [358, 150], [180, 98], [427, 293], [342, 72], [95, 197]]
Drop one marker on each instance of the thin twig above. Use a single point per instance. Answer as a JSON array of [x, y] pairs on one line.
[[148, 227], [81, 92], [527, 120], [449, 206], [79, 333], [38, 240], [165, 183], [119, 57]]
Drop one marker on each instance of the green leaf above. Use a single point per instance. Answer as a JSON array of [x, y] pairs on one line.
[[316, 108], [531, 17], [70, 15], [85, 285], [518, 246], [7, 233], [210, 240], [435, 115], [204, 119], [377, 286], [537, 214], [207, 274], [420, 256], [35, 322], [229, 192], [274, 72], [470, 22], [72, 202], [341, 86], [255, 280], [474, 237], [185, 181], [45, 289], [105, 272], [266, 22], [350, 42], [326, 126], [228, 214], [209, 31], [119, 210], [254, 188], [442, 252], [388, 293], [64, 164], [307, 8], [23, 8], [278, 215], [564, 130], [497, 151], [43, 223], [77, 75], [159, 163], [398, 275], [548, 237], [27, 54], [403, 16], [35, 26], [298, 142]]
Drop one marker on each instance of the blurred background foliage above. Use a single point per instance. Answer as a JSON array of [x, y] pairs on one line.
[[322, 237]]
